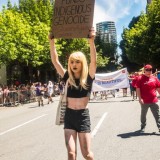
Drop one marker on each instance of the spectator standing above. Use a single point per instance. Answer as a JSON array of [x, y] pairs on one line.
[[146, 87], [45, 91], [134, 81], [130, 77], [33, 91], [103, 94], [13, 95], [61, 87], [6, 95], [56, 89], [39, 94], [94, 95], [50, 91], [124, 92], [113, 93]]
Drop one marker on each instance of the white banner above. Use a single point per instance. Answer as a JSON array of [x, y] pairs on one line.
[[110, 81]]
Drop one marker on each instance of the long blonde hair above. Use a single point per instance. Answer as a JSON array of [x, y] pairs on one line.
[[84, 72]]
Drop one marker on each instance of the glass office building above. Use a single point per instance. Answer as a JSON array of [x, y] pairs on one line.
[[107, 31]]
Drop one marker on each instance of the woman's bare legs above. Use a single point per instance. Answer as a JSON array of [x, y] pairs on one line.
[[71, 140], [85, 144]]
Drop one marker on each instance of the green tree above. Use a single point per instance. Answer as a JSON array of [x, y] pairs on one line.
[[24, 32], [22, 42], [25, 42], [142, 40], [126, 62], [108, 53], [153, 15], [37, 10], [67, 46]]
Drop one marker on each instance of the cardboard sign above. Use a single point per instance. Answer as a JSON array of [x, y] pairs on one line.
[[72, 18]]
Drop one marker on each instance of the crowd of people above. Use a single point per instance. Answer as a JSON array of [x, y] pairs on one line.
[[18, 94], [22, 93]]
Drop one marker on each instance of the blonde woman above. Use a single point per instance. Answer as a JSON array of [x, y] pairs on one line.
[[80, 78]]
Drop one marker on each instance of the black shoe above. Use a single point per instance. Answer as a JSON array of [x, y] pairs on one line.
[[142, 129]]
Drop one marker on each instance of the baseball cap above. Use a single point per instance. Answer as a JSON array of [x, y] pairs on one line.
[[147, 66]]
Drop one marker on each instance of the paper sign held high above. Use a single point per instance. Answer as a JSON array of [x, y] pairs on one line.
[[72, 18]]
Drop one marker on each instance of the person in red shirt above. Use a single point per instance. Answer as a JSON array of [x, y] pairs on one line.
[[146, 87]]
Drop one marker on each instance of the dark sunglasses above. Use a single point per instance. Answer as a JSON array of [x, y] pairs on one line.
[[148, 69]]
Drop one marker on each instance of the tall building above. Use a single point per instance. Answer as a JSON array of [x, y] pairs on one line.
[[149, 1], [107, 31]]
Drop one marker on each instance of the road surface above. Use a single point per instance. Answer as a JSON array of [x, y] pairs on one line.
[[28, 132]]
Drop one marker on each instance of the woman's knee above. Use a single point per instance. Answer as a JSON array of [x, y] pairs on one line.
[[72, 155]]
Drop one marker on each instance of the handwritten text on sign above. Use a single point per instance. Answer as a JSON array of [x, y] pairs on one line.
[[72, 18]]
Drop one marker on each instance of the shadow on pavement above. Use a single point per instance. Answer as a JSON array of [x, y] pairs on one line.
[[35, 106], [136, 134], [107, 101], [127, 101]]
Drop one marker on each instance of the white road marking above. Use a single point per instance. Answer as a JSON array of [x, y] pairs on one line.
[[98, 125], [2, 133]]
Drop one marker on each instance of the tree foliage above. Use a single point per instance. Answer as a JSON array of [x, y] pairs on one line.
[[107, 54], [24, 32], [66, 47], [141, 42], [23, 39], [37, 10]]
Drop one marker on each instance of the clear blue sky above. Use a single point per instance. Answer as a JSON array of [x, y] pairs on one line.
[[119, 11]]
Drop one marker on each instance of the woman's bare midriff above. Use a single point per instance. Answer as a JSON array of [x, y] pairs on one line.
[[78, 103]]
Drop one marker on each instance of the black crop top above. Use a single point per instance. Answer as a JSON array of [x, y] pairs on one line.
[[79, 92]]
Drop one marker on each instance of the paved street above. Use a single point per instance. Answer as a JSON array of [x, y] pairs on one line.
[[28, 132]]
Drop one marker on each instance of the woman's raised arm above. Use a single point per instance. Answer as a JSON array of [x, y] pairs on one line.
[[93, 56], [54, 56]]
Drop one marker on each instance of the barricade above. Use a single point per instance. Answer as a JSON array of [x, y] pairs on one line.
[[22, 95], [17, 97], [1, 98]]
